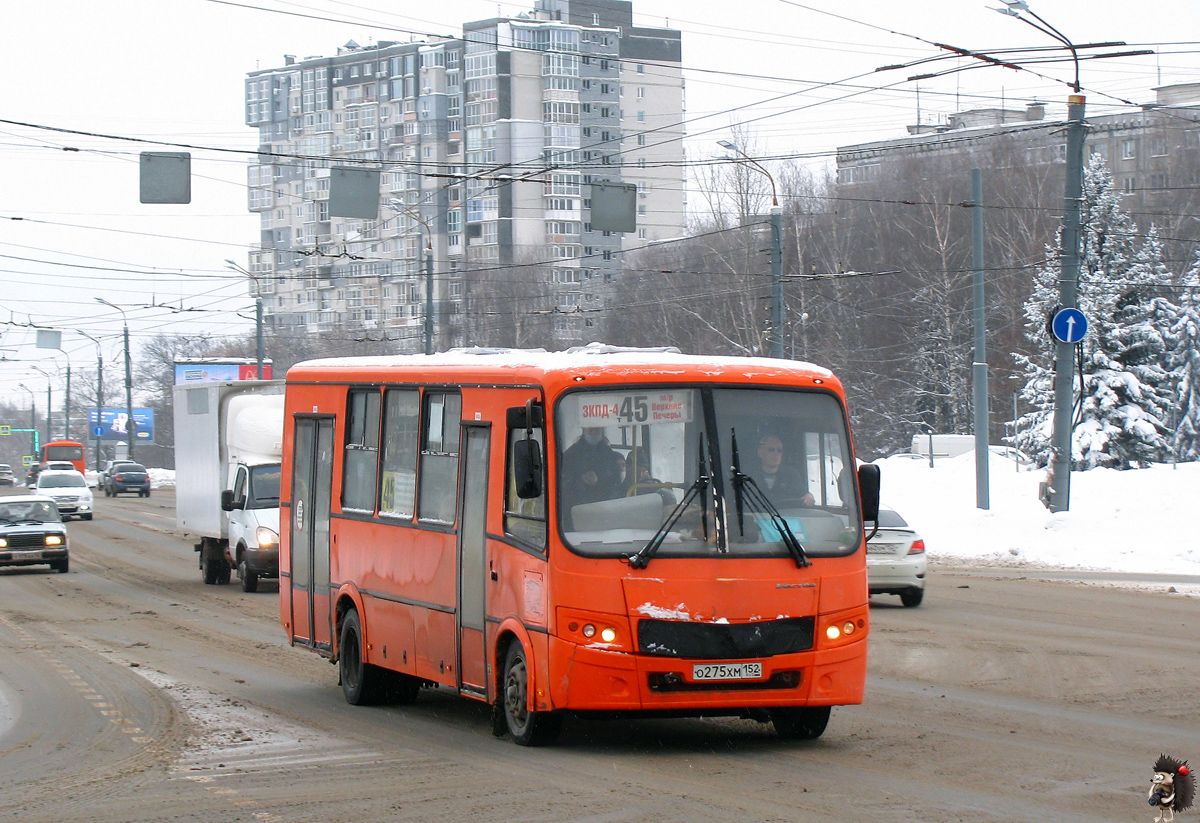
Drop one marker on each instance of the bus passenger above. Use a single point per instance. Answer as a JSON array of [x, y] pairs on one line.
[[591, 470], [781, 484]]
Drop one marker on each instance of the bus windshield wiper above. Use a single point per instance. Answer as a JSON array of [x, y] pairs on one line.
[[641, 558], [744, 488]]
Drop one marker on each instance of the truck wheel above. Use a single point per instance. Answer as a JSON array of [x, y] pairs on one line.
[[249, 578], [208, 569], [213, 567]]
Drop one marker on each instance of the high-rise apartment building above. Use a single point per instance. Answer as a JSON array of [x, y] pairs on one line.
[[487, 146]]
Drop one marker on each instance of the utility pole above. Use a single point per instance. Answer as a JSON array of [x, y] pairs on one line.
[[776, 281], [99, 391], [1068, 296], [130, 424], [428, 292], [979, 373], [1068, 281]]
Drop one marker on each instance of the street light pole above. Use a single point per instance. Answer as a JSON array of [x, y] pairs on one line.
[[776, 253], [32, 428], [398, 206], [130, 425], [1068, 281], [258, 315], [49, 406], [99, 390]]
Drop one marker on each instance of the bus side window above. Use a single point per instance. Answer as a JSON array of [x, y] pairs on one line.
[[401, 426], [439, 457], [524, 518], [362, 450]]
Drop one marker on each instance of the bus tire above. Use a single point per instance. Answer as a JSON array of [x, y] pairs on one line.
[[525, 727], [362, 683], [800, 722]]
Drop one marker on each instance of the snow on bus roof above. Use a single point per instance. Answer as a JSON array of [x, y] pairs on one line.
[[579, 357]]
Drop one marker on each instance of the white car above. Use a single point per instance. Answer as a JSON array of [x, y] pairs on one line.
[[69, 490], [896, 561]]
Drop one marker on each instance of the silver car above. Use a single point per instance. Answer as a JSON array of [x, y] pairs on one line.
[[896, 561]]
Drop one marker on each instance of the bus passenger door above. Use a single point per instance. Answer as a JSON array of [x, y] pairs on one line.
[[472, 560], [312, 484]]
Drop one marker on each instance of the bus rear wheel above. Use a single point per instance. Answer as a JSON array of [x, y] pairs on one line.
[[527, 728], [800, 722]]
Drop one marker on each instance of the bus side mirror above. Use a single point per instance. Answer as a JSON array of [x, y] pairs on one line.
[[868, 489], [527, 468]]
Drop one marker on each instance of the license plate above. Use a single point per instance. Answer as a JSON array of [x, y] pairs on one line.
[[27, 555], [727, 671]]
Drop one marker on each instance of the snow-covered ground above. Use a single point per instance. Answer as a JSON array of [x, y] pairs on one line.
[[1127, 521], [1130, 521]]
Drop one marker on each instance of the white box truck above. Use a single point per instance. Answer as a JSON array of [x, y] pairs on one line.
[[228, 447]]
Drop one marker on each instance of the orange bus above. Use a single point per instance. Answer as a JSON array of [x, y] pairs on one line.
[[443, 526], [67, 450]]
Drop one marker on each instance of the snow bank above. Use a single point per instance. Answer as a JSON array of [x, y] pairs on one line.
[[1128, 521]]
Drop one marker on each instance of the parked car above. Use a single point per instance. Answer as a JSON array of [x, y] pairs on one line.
[[127, 477], [896, 561], [7, 478], [69, 490], [32, 533]]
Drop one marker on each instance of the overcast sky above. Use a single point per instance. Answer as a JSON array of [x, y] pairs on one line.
[[172, 70]]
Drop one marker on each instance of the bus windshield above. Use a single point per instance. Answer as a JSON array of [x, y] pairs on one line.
[[744, 459]]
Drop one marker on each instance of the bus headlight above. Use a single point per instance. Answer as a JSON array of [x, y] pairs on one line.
[[843, 627], [266, 538], [595, 629]]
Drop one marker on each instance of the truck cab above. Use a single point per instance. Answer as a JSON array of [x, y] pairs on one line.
[[253, 525]]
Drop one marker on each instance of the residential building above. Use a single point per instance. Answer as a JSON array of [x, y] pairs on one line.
[[486, 146], [1153, 150]]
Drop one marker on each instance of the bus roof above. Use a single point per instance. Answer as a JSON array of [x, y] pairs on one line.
[[537, 365]]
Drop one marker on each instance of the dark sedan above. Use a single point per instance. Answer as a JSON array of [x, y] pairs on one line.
[[127, 477]]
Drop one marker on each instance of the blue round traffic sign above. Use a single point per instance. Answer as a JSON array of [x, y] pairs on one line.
[[98, 431], [1069, 325]]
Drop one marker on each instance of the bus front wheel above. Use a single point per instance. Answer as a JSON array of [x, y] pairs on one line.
[[800, 722], [527, 728]]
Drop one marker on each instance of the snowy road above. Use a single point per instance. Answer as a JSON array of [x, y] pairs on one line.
[[135, 693]]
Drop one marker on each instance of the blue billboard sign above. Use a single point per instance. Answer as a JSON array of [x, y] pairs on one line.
[[113, 424], [215, 370]]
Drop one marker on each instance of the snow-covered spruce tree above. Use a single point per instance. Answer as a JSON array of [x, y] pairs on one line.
[[1184, 363], [1033, 432], [1126, 389], [1120, 422]]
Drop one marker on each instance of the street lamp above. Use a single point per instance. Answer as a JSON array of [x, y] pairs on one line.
[[33, 441], [99, 390], [776, 253], [398, 206], [258, 313], [49, 398], [130, 425], [1068, 281]]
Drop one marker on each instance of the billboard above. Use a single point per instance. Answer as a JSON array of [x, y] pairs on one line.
[[113, 425], [218, 370]]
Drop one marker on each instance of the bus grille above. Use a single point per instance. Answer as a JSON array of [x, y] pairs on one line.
[[725, 641]]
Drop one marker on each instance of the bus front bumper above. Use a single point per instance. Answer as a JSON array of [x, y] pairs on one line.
[[586, 679]]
